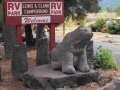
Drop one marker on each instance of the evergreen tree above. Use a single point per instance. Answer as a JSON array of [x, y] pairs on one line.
[[78, 8], [117, 9], [72, 6]]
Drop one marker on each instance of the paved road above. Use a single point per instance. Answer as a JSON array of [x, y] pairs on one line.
[[115, 48]]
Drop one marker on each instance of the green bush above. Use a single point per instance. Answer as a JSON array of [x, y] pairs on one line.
[[93, 27], [117, 26], [104, 29], [111, 27], [114, 27], [104, 59], [99, 24]]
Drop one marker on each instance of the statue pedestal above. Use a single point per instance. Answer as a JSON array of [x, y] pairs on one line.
[[44, 77]]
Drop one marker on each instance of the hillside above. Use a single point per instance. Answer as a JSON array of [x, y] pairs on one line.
[[110, 3]]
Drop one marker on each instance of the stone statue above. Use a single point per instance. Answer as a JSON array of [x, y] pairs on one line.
[[70, 54]]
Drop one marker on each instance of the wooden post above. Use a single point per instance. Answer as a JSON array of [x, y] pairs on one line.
[[18, 34], [52, 36], [63, 29]]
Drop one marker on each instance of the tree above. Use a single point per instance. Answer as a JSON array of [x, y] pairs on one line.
[[80, 8], [0, 1], [40, 32], [117, 9], [29, 36], [9, 33], [109, 9]]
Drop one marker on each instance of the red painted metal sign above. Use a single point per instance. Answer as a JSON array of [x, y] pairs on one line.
[[29, 12]]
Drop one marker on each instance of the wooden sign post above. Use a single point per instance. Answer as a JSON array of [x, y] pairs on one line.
[[34, 12]]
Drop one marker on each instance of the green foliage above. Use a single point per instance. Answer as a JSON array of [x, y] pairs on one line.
[[99, 24], [107, 9], [68, 21], [104, 59], [104, 29], [81, 20], [80, 8], [114, 27], [3, 88], [66, 87], [105, 13], [75, 85], [111, 27], [117, 9], [71, 6], [93, 27]]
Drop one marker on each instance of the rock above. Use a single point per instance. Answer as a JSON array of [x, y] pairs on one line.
[[90, 53], [42, 52], [65, 88], [44, 77], [113, 85], [70, 55], [102, 81], [59, 89], [19, 61]]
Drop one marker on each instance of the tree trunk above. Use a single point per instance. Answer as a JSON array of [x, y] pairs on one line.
[[42, 45], [29, 36], [9, 33], [39, 34]]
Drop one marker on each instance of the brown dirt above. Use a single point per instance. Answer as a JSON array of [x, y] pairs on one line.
[[8, 83]]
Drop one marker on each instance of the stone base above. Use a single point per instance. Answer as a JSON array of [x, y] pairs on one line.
[[44, 77]]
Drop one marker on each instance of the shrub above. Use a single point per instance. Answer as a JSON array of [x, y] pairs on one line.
[[117, 26], [104, 59], [99, 24], [93, 27], [104, 29], [114, 27], [111, 27]]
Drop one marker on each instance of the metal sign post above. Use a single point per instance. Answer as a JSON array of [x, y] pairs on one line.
[[18, 34], [52, 36]]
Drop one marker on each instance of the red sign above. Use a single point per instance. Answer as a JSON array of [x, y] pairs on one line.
[[29, 12]]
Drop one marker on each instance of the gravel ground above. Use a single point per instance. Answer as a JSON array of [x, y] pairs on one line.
[[8, 83]]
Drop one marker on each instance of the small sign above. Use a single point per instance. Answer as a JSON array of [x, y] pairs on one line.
[[14, 9], [35, 8], [56, 8], [41, 19]]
